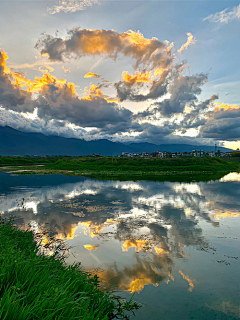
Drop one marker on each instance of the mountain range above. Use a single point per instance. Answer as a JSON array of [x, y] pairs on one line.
[[18, 143]]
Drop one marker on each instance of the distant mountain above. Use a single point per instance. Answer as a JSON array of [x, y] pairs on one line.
[[150, 147], [14, 143]]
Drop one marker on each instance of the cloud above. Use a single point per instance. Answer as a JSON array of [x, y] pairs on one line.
[[196, 117], [69, 6], [148, 85], [57, 99], [128, 89], [11, 94], [224, 16], [175, 107], [94, 111], [222, 124], [34, 66], [190, 40], [109, 43], [138, 77], [91, 75], [66, 70], [154, 58], [183, 91], [19, 121]]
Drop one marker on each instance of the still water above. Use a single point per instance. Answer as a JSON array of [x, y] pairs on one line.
[[176, 245]]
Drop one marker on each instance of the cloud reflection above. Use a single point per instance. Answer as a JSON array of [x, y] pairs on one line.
[[150, 222]]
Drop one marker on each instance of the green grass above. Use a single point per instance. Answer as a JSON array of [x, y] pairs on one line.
[[139, 166], [36, 286], [127, 168]]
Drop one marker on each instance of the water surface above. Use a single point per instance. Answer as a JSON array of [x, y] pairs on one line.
[[176, 245]]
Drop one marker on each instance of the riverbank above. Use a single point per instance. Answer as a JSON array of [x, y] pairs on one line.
[[36, 286], [124, 168]]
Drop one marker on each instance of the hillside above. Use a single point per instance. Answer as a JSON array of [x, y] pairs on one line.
[[14, 142]]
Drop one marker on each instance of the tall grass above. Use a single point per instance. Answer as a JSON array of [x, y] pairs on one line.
[[36, 286]]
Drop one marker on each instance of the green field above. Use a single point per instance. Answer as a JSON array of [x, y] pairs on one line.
[[124, 168], [36, 286]]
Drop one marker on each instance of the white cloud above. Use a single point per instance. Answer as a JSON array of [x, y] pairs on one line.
[[225, 16], [69, 6]]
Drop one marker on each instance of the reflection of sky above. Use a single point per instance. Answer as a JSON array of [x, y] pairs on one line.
[[233, 176], [136, 234]]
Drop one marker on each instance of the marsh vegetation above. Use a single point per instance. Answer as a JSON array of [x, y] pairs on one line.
[[39, 286]]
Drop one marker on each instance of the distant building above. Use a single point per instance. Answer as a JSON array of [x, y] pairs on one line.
[[197, 153], [129, 154], [145, 155], [186, 154], [212, 154], [158, 154]]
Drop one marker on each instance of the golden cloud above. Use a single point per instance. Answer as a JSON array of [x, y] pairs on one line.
[[91, 75], [89, 247], [190, 282], [225, 107], [66, 70], [138, 77], [190, 40], [82, 42]]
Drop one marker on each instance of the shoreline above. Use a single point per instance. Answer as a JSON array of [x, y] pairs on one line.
[[39, 286]]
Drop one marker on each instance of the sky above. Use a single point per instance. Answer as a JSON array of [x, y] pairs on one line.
[[142, 71]]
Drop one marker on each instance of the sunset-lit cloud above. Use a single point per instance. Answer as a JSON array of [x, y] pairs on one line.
[[128, 89], [226, 107], [190, 282], [48, 69], [34, 66], [11, 94], [90, 247], [66, 70], [91, 75], [173, 108], [93, 229], [137, 244], [152, 95], [190, 40], [219, 215], [82, 42], [138, 77], [133, 278], [57, 99], [95, 92]]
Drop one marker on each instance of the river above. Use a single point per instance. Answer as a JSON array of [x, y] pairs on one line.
[[176, 245]]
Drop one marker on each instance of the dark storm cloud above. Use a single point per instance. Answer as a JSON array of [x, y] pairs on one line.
[[222, 125], [96, 112], [196, 117], [183, 90]]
